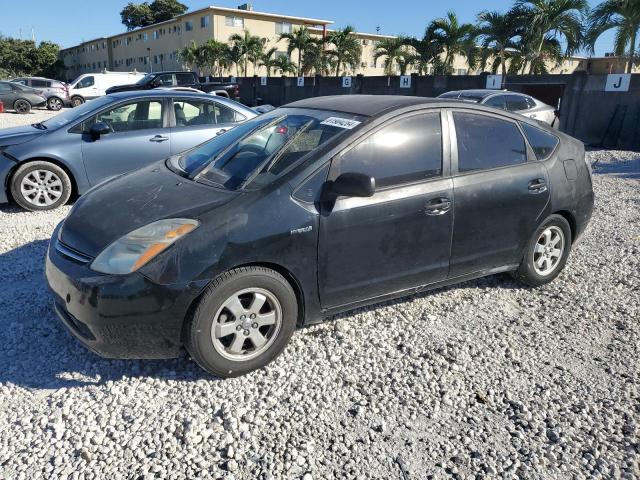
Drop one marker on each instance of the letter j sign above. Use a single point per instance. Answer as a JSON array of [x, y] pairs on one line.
[[618, 82]]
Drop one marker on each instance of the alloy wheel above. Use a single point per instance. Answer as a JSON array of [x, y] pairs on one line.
[[41, 188], [548, 250], [246, 324], [55, 104]]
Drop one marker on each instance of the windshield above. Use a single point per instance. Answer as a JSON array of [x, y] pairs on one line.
[[260, 150], [73, 114], [144, 79]]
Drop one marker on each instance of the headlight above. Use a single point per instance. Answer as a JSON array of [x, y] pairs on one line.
[[135, 249]]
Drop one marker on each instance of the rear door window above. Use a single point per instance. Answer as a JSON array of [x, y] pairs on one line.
[[406, 151], [165, 80], [486, 142], [543, 143], [5, 88], [516, 103], [39, 83], [184, 79]]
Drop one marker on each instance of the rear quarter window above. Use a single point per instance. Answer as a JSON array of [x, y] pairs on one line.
[[543, 143]]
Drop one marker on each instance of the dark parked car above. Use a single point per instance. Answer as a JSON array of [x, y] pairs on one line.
[[178, 79], [20, 98], [43, 163], [56, 92], [309, 210]]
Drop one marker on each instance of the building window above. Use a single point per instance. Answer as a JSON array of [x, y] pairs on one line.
[[156, 34], [283, 27], [461, 71], [282, 54], [145, 36], [234, 22], [204, 21], [188, 25]]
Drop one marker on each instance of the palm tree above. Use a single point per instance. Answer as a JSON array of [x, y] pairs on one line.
[[234, 56], [251, 47], [547, 23], [269, 60], [497, 32], [393, 50], [284, 65], [624, 17], [213, 53], [426, 52], [188, 55], [455, 38], [302, 41], [346, 48]]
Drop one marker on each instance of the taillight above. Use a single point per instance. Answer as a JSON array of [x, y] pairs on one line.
[[282, 130]]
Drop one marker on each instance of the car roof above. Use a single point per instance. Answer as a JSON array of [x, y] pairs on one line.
[[157, 92], [485, 92], [367, 105]]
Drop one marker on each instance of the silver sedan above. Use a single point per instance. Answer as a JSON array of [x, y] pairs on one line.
[[512, 101]]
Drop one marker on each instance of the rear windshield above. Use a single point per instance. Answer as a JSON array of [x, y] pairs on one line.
[[260, 150]]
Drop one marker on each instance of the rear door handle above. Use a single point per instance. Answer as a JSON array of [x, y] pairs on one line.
[[158, 139], [538, 185], [438, 206]]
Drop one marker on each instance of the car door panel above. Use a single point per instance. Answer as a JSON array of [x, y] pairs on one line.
[[497, 209], [125, 150], [385, 243], [400, 237]]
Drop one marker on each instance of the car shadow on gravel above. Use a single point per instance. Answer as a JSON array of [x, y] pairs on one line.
[[37, 351], [623, 168]]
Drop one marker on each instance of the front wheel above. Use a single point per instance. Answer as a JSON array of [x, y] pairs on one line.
[[22, 106], [40, 186], [54, 103], [77, 101], [546, 253], [243, 321]]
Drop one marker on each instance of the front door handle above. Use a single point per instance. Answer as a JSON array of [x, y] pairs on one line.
[[538, 185], [438, 206], [158, 139], [221, 131]]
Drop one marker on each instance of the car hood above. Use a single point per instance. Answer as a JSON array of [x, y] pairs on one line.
[[17, 135], [119, 206]]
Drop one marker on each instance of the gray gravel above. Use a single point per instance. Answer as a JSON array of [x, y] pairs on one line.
[[482, 380], [12, 119]]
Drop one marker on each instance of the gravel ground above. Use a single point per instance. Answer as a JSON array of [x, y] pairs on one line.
[[12, 119], [482, 380]]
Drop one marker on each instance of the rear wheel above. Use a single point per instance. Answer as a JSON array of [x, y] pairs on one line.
[[54, 103], [243, 321], [40, 186], [76, 101], [22, 106], [546, 253]]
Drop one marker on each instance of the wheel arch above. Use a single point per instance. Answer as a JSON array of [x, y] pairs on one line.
[[286, 273], [58, 163], [568, 216]]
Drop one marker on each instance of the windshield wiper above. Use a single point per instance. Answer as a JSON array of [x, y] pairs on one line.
[[39, 126]]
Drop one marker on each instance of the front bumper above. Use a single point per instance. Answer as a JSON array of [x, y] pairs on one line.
[[126, 316]]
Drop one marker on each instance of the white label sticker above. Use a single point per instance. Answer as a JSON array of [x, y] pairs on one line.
[[341, 122], [263, 81], [494, 82], [405, 81], [346, 82], [618, 82], [301, 81]]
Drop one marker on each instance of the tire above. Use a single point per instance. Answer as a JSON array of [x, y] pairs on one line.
[[213, 347], [22, 106], [54, 103], [40, 185], [536, 270], [76, 101]]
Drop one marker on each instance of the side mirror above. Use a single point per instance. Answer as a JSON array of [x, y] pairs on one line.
[[352, 184], [98, 129]]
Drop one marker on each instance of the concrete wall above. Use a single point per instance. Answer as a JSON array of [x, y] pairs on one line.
[[587, 112]]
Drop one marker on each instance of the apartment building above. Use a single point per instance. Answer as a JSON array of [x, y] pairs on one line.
[[156, 47]]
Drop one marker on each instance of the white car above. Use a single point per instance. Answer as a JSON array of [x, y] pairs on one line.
[[93, 85]]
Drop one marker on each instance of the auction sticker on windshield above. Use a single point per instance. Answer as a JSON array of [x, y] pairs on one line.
[[341, 122]]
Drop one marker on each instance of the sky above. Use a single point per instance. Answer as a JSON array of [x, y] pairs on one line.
[[69, 22]]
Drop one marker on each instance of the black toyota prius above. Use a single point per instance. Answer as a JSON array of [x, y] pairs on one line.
[[312, 209]]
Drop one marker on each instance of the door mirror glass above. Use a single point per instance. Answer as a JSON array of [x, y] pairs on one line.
[[352, 184], [98, 129]]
